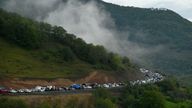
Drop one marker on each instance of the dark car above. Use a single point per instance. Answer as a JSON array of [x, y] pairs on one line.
[[3, 90]]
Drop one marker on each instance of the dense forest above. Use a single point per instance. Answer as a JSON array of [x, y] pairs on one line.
[[52, 44]]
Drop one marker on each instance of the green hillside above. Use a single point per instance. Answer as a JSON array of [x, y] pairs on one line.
[[19, 62], [39, 50], [149, 29], [156, 27]]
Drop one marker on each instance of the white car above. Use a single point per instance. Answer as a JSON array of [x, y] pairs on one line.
[[40, 89], [21, 91], [117, 85], [87, 87], [49, 87], [105, 85], [13, 91], [27, 90]]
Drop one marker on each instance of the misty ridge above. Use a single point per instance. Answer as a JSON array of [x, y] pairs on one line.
[[87, 20]]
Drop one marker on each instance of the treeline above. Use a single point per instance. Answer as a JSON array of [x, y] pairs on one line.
[[32, 35], [165, 94]]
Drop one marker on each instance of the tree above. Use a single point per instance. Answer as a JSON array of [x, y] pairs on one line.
[[67, 54], [168, 85], [129, 101], [152, 99], [58, 33]]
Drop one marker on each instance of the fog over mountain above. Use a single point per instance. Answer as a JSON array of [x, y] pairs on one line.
[[87, 20]]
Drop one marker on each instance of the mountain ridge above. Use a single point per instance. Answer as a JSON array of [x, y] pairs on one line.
[[158, 27]]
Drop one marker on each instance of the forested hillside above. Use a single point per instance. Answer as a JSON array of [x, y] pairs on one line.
[[161, 36], [34, 49], [157, 27], [164, 34]]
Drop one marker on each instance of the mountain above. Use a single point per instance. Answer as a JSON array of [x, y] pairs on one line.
[[158, 39], [156, 27], [32, 49]]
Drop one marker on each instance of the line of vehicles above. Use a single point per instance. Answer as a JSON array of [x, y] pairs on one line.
[[150, 77], [38, 89]]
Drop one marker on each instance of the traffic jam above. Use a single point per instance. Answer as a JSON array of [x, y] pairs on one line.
[[52, 89], [149, 77]]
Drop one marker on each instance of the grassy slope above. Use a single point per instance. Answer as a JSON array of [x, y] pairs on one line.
[[17, 62], [82, 99], [58, 101]]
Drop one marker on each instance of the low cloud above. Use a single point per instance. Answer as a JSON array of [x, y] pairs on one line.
[[35, 9], [86, 20]]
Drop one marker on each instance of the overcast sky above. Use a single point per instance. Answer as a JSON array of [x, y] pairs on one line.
[[183, 7]]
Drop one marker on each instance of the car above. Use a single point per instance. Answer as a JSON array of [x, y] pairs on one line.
[[48, 88], [98, 86], [87, 87], [39, 89], [12, 91], [4, 91], [94, 85], [105, 85], [75, 86], [113, 85], [62, 89], [21, 91], [116, 85], [70, 88], [65, 88], [27, 90]]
